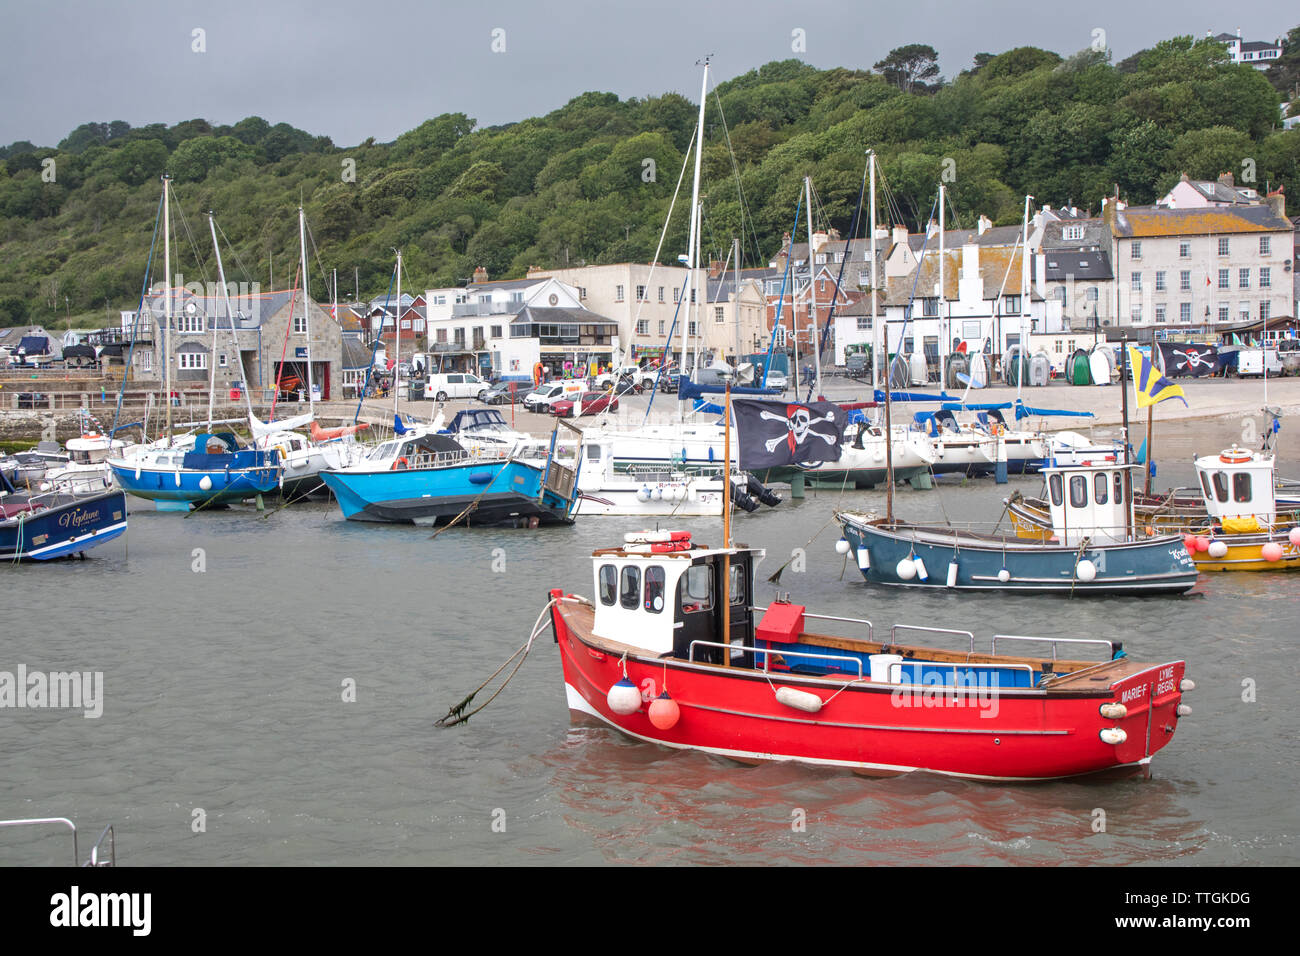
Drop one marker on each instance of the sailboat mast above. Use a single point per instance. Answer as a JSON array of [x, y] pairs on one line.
[[945, 346], [397, 334], [875, 323], [212, 362], [306, 305], [736, 252], [230, 315], [812, 290], [694, 256], [167, 303], [1128, 459], [1022, 360]]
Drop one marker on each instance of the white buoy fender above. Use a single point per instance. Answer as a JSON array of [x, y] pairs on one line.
[[920, 569], [643, 494], [842, 546], [624, 698], [1113, 735], [952, 574], [906, 569], [1217, 549], [1086, 571], [799, 699], [1184, 710], [1004, 576], [205, 483], [1186, 685], [1294, 536], [864, 557], [1114, 711]]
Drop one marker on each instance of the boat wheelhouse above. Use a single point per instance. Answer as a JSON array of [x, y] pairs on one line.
[[1246, 532], [673, 650]]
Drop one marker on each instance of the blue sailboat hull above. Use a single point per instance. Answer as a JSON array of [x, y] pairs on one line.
[[500, 493], [1156, 565], [63, 530], [185, 486]]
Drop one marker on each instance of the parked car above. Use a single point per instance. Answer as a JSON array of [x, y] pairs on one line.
[[855, 366], [586, 403], [540, 399], [506, 393], [641, 377], [454, 385]]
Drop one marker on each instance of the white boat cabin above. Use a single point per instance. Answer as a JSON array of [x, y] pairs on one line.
[[1238, 484], [662, 594], [93, 449], [1090, 501]]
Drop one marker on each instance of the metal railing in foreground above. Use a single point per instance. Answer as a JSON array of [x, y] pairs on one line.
[[94, 859]]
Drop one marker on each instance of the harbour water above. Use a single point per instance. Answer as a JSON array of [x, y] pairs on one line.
[[230, 646]]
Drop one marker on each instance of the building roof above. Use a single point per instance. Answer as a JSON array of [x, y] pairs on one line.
[[1139, 222], [355, 353], [1063, 264], [1253, 46], [561, 315], [1000, 268], [1096, 235]]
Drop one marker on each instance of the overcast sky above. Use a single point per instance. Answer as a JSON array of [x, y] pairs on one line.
[[349, 69]]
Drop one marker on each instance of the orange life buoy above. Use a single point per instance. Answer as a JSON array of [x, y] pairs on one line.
[[401, 461], [1235, 456]]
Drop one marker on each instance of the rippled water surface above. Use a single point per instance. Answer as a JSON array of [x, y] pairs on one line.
[[224, 692]]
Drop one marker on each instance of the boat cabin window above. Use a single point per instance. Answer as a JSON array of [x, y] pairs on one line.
[[654, 590], [1057, 485], [1221, 486], [630, 588], [593, 453], [1241, 486], [1119, 488], [608, 584], [1100, 485], [737, 583], [697, 588], [1078, 491], [1205, 485]]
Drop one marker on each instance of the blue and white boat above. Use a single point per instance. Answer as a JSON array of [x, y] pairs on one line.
[[50, 525], [215, 471], [1093, 549], [426, 478]]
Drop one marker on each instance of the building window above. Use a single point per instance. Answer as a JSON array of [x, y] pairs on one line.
[[1092, 293], [1243, 310], [1136, 280], [1243, 278], [439, 300], [221, 360], [1185, 281], [1160, 282], [496, 331], [643, 327], [1265, 278], [690, 329], [1223, 279], [300, 325], [662, 323], [1185, 312], [1135, 250], [1063, 295], [677, 293], [821, 258], [864, 278], [582, 292], [618, 293], [1012, 303], [1160, 313], [1135, 312], [442, 336], [1072, 232], [930, 306], [864, 323], [1265, 309], [661, 293], [192, 360], [191, 323], [692, 296], [1184, 250], [640, 293], [717, 313], [1223, 247], [1223, 313], [1265, 245]]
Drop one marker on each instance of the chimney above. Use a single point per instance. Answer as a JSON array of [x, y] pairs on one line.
[[900, 235], [834, 234], [480, 274], [985, 224], [715, 268], [818, 240], [1277, 202], [1225, 179]]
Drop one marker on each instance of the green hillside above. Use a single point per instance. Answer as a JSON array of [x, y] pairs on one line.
[[571, 186]]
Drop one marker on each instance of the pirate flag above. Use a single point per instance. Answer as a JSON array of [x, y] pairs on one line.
[[770, 434], [1182, 359]]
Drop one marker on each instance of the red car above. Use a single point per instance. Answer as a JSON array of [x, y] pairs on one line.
[[591, 403]]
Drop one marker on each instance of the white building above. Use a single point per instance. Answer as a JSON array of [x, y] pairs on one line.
[[1260, 55]]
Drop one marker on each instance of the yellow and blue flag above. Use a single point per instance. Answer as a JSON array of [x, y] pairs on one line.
[[1150, 385]]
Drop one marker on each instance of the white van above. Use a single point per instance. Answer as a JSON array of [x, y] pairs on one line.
[[542, 398], [454, 385]]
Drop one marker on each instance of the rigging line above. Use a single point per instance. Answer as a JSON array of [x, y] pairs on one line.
[[279, 375], [374, 350], [135, 326], [848, 254], [780, 302], [198, 257], [654, 264], [248, 276], [740, 192]]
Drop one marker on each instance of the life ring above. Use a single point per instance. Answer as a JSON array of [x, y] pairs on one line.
[[1235, 456], [401, 461]]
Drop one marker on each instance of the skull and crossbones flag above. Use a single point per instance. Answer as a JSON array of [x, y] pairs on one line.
[[770, 434]]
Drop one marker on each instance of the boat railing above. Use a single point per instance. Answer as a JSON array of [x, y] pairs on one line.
[[782, 652], [76, 853], [969, 666], [871, 630], [1054, 641], [893, 633]]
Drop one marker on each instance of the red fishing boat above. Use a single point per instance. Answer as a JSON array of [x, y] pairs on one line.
[[671, 650]]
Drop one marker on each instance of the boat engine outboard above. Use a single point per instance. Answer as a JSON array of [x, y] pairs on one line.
[[762, 492], [742, 500]]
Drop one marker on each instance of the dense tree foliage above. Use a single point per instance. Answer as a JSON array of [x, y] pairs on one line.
[[591, 182]]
